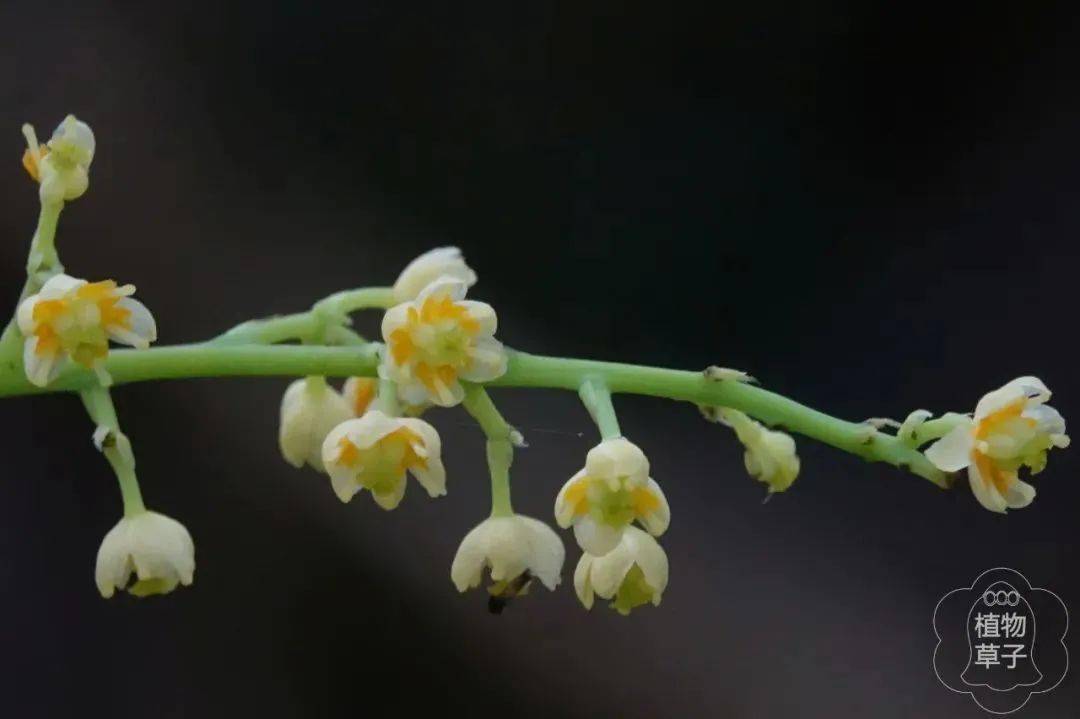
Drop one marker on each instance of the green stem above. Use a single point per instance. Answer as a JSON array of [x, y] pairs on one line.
[[324, 318], [115, 446], [342, 303], [524, 370], [500, 448], [386, 399], [597, 399]]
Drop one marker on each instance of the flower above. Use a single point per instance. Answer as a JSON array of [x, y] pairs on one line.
[[438, 339], [156, 548], [514, 549], [61, 166], [613, 490], [375, 451], [310, 408], [74, 318], [359, 392], [430, 266], [770, 455], [632, 574], [1013, 427]]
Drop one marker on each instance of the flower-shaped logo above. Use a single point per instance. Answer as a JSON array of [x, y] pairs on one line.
[[987, 640]]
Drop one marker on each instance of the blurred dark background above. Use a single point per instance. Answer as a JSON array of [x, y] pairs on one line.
[[870, 206]]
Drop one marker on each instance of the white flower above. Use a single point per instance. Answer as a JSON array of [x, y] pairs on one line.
[[375, 451], [770, 455], [613, 490], [156, 548], [1012, 428], [430, 266], [632, 574], [514, 549], [438, 339], [71, 317], [62, 166], [310, 408]]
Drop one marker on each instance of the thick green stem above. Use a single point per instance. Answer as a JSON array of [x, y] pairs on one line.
[[597, 399], [524, 370], [500, 447]]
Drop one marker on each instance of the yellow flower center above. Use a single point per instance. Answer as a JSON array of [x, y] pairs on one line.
[[997, 422], [617, 507], [78, 322], [381, 467], [436, 339]]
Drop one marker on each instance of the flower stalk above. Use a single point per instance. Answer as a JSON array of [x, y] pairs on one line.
[[500, 446]]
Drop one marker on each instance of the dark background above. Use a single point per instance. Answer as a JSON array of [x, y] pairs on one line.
[[870, 206]]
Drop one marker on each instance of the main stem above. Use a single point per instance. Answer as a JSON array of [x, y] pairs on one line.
[[524, 370]]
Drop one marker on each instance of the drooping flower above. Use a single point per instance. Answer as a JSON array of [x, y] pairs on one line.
[[310, 408], [770, 455], [632, 574], [375, 452], [437, 340], [514, 549], [612, 491], [1013, 427], [157, 549], [62, 165], [72, 318], [430, 266]]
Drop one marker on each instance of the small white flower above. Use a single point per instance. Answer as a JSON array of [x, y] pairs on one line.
[[375, 452], [612, 491], [438, 339], [514, 549], [310, 408], [632, 574], [156, 548], [430, 266], [1013, 427], [73, 318], [62, 166], [770, 455], [359, 393]]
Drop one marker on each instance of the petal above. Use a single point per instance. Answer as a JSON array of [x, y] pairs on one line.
[[467, 569], [984, 491], [609, 571], [582, 583], [484, 314], [1047, 419], [429, 266], [488, 360], [650, 556], [547, 552], [565, 509], [1019, 495], [394, 319], [59, 285], [433, 478], [390, 500], [448, 285], [595, 537], [141, 330], [952, 452], [617, 458], [343, 482], [445, 395], [656, 520], [25, 315], [41, 368], [1021, 387]]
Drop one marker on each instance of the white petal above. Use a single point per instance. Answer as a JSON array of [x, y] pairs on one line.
[[617, 458], [596, 538], [609, 571], [432, 479], [1021, 387], [546, 550], [509, 546], [488, 360], [984, 490], [484, 314], [59, 285], [428, 267], [40, 368], [1047, 419], [952, 452], [343, 482], [308, 414], [582, 583], [141, 330], [25, 315], [564, 511], [448, 285], [1019, 495], [657, 521], [650, 557], [394, 319]]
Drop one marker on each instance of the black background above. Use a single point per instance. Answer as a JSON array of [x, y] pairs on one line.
[[870, 206]]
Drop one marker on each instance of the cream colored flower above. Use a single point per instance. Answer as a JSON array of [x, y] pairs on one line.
[[62, 166], [770, 455], [157, 549], [375, 452], [359, 393], [1012, 428], [310, 408], [438, 339], [430, 266], [632, 574], [514, 549], [612, 491], [73, 318]]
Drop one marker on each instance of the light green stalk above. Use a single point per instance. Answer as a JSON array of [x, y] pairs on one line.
[[500, 446], [42, 263], [115, 446], [597, 399]]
